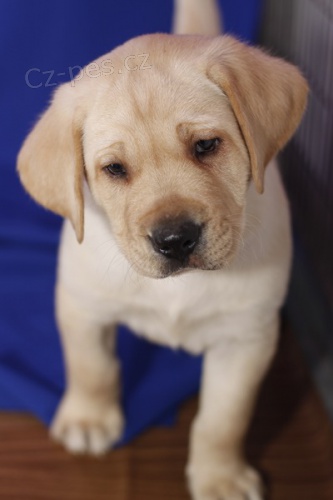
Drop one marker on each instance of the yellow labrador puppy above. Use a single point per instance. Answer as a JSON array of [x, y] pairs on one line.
[[156, 156]]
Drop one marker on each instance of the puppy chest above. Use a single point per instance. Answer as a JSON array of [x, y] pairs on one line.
[[172, 323]]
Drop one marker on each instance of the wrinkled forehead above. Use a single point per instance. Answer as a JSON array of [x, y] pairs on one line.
[[154, 104]]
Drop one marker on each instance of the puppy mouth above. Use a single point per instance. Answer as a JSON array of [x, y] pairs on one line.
[[174, 267], [155, 265], [174, 246]]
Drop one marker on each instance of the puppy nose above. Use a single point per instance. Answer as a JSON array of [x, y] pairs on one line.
[[176, 240]]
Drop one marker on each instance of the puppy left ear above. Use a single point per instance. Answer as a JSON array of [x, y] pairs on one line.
[[268, 97], [50, 162]]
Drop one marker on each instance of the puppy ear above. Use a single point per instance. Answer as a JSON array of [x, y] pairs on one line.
[[268, 97], [50, 162]]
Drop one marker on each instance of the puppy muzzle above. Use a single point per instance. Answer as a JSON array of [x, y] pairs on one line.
[[176, 240]]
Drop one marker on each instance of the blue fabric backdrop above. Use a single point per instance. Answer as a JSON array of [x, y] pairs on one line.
[[56, 36]]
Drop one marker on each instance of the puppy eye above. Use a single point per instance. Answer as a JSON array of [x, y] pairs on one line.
[[206, 146], [116, 169]]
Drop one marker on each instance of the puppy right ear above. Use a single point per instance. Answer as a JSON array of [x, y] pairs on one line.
[[50, 162], [268, 97]]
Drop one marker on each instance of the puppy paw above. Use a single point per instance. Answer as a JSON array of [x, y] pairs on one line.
[[86, 428], [235, 483]]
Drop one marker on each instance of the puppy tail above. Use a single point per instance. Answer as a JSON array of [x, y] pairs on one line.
[[197, 17]]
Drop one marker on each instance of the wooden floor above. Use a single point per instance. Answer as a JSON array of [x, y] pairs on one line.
[[290, 441]]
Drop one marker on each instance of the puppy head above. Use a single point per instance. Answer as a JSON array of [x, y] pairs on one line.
[[168, 150]]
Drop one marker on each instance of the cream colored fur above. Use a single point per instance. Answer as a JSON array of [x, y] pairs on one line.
[[225, 304]]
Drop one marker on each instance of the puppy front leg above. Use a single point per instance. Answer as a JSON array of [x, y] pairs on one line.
[[89, 418], [232, 374]]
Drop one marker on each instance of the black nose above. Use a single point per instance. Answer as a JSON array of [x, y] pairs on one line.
[[176, 239]]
